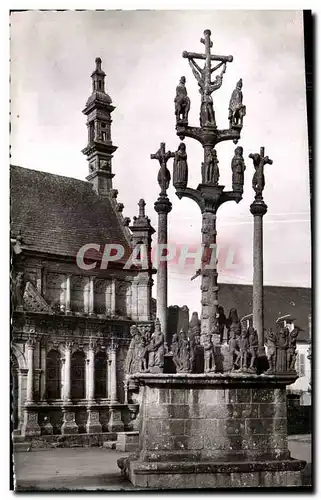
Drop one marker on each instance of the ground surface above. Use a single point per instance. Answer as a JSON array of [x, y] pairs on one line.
[[92, 468]]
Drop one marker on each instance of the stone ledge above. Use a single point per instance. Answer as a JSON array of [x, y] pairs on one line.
[[216, 467], [213, 379], [200, 475]]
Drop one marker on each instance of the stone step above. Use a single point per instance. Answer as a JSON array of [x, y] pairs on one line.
[[111, 445]]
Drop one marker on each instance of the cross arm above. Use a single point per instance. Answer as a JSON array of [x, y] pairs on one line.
[[214, 57]]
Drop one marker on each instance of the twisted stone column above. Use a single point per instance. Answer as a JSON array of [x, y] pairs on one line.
[[209, 287]]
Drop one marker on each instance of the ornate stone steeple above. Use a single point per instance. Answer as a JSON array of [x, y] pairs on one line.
[[100, 148]]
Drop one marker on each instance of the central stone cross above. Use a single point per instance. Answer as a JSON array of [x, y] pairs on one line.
[[204, 79]]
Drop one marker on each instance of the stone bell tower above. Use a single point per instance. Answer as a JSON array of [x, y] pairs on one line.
[[100, 149]]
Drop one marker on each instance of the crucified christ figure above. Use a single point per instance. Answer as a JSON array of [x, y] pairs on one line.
[[206, 88]]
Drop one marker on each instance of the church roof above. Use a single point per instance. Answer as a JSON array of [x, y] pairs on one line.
[[58, 215], [278, 301]]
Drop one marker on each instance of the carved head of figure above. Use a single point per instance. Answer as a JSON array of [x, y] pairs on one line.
[[244, 333], [239, 84], [233, 316], [158, 328], [239, 151], [133, 330], [182, 80], [182, 147]]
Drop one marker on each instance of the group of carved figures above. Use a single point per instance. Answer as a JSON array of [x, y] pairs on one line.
[[210, 169], [281, 350], [200, 352], [236, 109], [146, 349]]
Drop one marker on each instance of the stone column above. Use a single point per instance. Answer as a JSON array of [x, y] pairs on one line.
[[91, 371], [30, 346], [67, 367], [93, 424], [258, 210], [209, 286], [69, 425], [68, 309], [30, 426], [113, 371], [162, 206], [115, 423], [43, 390], [113, 297], [91, 296]]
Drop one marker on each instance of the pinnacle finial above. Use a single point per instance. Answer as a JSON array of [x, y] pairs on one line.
[[98, 63], [141, 205]]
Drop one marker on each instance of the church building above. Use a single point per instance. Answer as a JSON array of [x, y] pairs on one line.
[[71, 313]]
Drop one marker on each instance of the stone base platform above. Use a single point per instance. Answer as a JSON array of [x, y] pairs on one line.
[[197, 475], [211, 431]]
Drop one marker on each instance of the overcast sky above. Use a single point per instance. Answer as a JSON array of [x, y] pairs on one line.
[[52, 57]]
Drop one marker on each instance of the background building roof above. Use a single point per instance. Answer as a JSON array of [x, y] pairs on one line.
[[58, 215], [278, 301]]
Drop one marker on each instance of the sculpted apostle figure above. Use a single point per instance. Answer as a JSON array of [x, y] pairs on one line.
[[180, 171], [238, 168], [182, 101]]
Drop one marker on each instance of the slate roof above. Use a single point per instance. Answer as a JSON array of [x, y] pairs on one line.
[[58, 215], [278, 301]]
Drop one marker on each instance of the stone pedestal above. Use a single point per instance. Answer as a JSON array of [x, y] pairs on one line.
[[69, 425], [211, 431], [115, 423], [30, 426], [127, 441], [93, 424]]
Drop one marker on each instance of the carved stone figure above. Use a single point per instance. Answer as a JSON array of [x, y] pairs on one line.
[[19, 290], [281, 351], [156, 349], [238, 168], [197, 353], [292, 349], [180, 171], [209, 362], [221, 322], [185, 352], [210, 170], [258, 181], [234, 350], [135, 359], [233, 323], [182, 102], [236, 108], [164, 175], [244, 346], [164, 178], [271, 351], [207, 116], [175, 348], [253, 346]]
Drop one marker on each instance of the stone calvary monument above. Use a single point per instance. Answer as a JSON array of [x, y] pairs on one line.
[[212, 399]]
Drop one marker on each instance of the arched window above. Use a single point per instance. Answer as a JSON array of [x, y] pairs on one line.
[[53, 375], [100, 375], [77, 375]]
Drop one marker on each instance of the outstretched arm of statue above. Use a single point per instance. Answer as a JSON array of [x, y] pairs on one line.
[[218, 66], [196, 72]]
